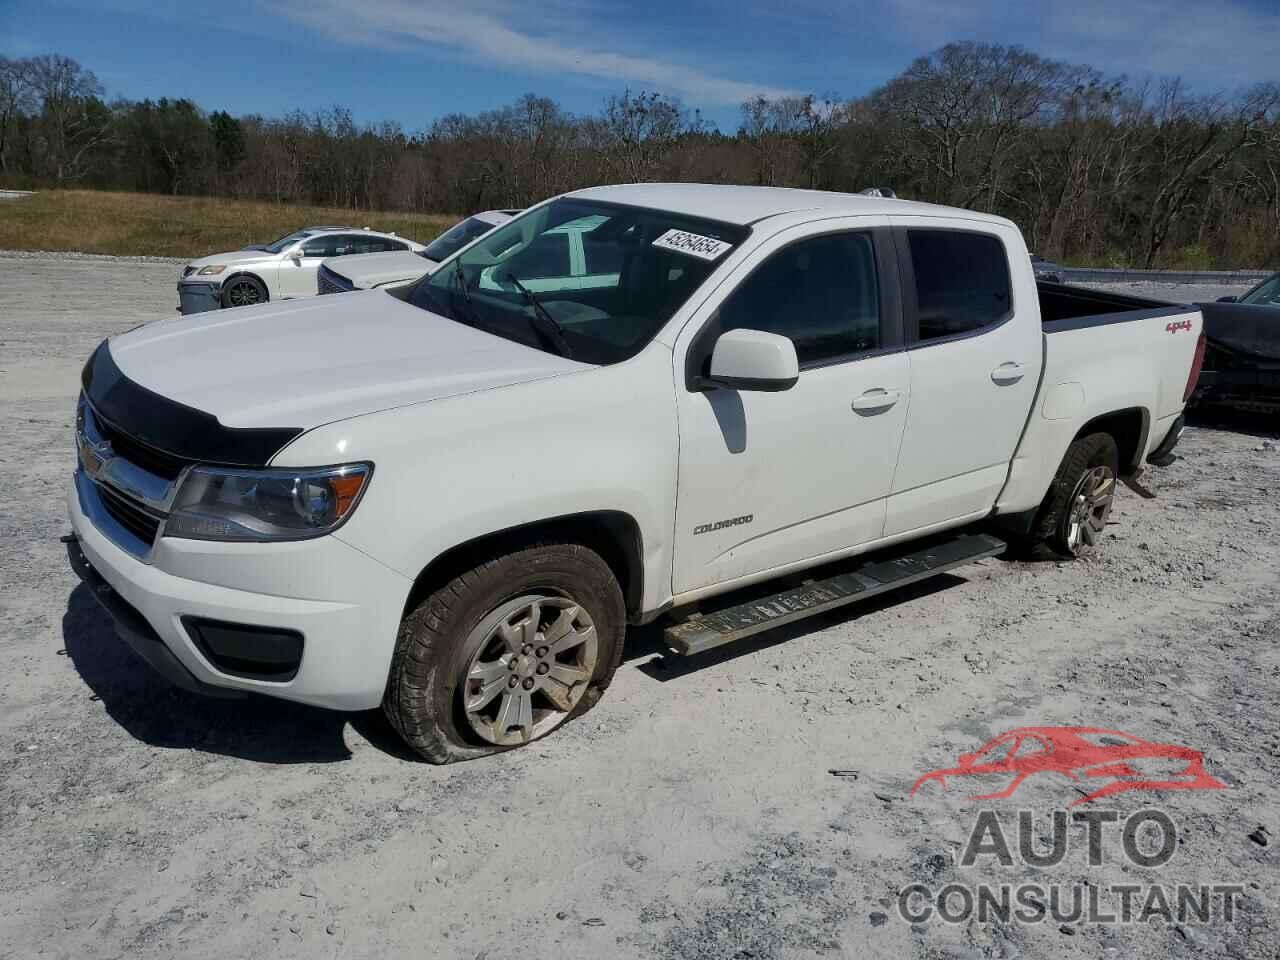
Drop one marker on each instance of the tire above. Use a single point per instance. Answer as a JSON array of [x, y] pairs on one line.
[[1080, 498], [474, 632], [243, 291]]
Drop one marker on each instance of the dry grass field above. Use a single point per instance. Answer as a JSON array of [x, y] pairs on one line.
[[139, 224]]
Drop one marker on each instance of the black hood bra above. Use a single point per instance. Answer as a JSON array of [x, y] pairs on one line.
[[171, 427]]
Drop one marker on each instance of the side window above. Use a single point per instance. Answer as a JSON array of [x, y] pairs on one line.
[[329, 246], [546, 256], [821, 293], [368, 244], [962, 281], [351, 243]]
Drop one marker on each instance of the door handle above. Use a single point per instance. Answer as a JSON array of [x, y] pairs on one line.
[[1008, 372], [876, 399]]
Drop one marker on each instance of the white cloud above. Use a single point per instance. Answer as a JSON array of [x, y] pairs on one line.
[[488, 31], [1215, 46]]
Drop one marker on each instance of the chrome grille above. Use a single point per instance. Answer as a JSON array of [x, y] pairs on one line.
[[135, 451], [129, 514], [126, 488]]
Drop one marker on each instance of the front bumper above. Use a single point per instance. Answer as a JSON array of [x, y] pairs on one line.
[[198, 297], [345, 604]]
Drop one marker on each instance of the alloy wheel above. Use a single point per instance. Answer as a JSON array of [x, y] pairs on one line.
[[243, 294], [533, 661], [1089, 508]]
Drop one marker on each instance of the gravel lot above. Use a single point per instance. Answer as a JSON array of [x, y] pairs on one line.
[[692, 814]]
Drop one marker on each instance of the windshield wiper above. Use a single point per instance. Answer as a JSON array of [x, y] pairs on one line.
[[542, 320]]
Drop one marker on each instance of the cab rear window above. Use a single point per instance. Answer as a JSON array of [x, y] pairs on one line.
[[962, 282]]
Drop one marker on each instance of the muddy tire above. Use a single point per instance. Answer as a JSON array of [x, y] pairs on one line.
[[1076, 508], [506, 652]]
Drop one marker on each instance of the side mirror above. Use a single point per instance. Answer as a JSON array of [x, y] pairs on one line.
[[1227, 299], [753, 360], [296, 257]]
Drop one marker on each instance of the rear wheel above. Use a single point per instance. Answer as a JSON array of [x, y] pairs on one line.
[[243, 291], [1075, 510], [506, 652]]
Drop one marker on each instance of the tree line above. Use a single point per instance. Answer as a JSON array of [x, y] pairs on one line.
[[1095, 168]]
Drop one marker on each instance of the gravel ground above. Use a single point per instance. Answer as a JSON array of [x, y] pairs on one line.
[[692, 814]]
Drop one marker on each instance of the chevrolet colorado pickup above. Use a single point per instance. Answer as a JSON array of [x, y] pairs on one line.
[[450, 500]]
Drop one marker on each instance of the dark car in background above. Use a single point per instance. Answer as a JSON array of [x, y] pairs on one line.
[[1046, 270], [1242, 351]]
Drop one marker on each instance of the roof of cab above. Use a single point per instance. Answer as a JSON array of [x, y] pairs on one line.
[[746, 205]]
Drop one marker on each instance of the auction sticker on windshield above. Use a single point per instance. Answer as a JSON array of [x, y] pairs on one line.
[[695, 245]]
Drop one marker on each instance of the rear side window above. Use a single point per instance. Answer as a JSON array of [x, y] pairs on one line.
[[821, 293], [962, 282]]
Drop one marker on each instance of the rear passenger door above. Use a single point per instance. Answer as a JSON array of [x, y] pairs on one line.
[[975, 349]]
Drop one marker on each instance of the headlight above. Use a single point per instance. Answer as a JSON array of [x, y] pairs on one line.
[[216, 503], [210, 271]]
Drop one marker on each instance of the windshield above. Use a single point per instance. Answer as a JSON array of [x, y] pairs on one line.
[[455, 238], [605, 277], [1267, 292], [279, 246]]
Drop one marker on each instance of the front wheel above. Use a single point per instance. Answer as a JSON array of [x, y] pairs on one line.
[[1075, 510], [243, 291], [506, 652]]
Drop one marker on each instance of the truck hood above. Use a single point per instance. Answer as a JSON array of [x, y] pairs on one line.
[[369, 270], [302, 363]]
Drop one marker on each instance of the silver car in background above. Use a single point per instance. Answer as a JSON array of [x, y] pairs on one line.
[[340, 274]]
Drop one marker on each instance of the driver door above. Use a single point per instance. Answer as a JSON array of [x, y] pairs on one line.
[[298, 269], [774, 480]]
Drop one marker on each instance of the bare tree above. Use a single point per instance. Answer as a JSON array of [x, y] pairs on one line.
[[17, 97], [73, 119], [1094, 168]]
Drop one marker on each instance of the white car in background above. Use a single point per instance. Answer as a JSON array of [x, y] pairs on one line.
[[563, 258], [391, 269], [278, 271]]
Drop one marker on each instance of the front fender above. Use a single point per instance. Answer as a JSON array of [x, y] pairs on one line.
[[450, 471]]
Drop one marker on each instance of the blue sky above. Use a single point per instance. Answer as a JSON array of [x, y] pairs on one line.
[[415, 60]]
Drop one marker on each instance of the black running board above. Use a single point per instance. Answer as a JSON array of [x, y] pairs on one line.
[[704, 631]]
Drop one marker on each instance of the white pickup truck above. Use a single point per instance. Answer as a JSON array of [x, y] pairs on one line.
[[450, 500]]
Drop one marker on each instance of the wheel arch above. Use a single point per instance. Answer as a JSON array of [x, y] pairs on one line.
[[613, 534], [1129, 428], [226, 284]]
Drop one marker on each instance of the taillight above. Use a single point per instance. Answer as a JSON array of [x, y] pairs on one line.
[[1196, 363]]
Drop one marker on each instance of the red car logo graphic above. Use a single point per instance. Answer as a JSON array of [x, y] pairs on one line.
[[1080, 753]]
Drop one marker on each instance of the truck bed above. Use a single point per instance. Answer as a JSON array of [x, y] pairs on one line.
[[1064, 307], [1105, 354]]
